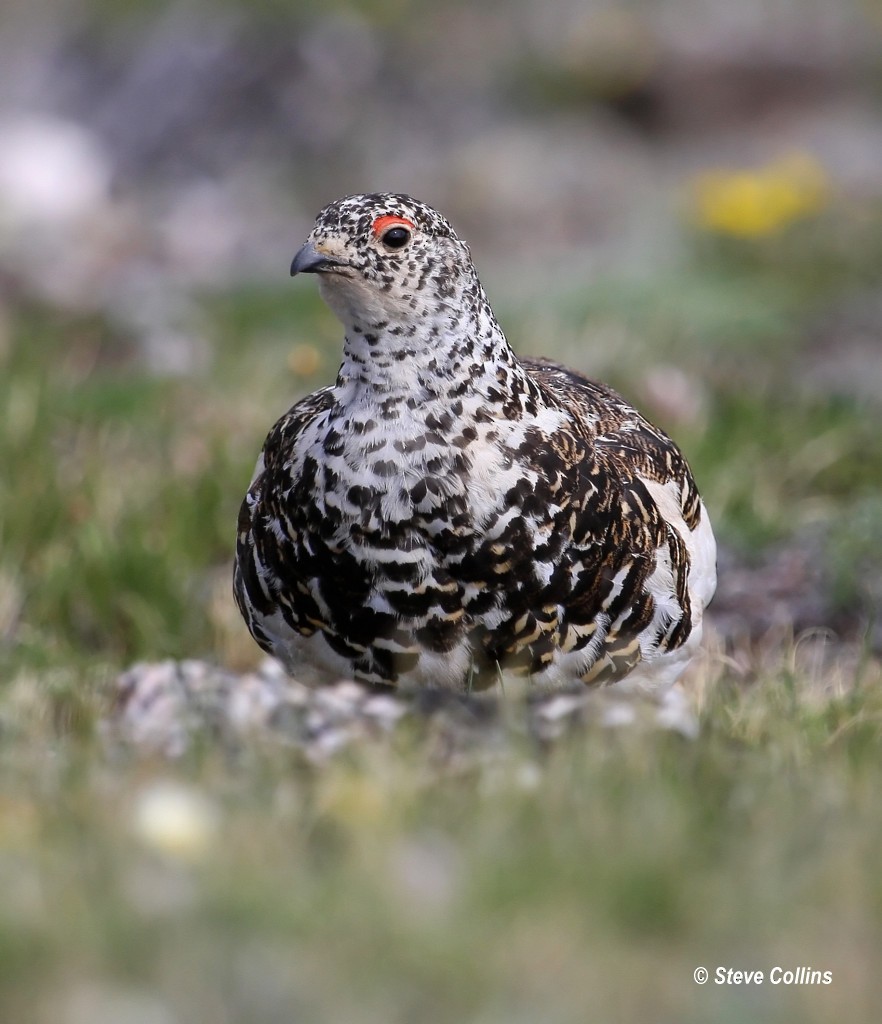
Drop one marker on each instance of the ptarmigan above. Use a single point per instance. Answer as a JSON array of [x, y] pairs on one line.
[[446, 511]]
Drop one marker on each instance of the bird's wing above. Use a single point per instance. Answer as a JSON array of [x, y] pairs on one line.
[[626, 441], [634, 511], [264, 548]]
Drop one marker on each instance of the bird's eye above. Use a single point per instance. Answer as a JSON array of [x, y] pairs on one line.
[[395, 238], [393, 230]]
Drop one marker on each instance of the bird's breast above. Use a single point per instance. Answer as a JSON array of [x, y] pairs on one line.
[[389, 476]]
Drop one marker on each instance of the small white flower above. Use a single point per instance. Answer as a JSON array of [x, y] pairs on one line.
[[51, 171], [175, 820]]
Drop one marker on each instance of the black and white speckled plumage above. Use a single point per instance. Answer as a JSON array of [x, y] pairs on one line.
[[446, 510]]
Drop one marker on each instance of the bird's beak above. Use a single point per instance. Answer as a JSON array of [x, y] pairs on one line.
[[310, 261]]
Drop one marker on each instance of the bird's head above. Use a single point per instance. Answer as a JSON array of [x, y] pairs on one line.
[[386, 259]]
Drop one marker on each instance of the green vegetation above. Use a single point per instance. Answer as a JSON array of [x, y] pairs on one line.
[[394, 884], [389, 885]]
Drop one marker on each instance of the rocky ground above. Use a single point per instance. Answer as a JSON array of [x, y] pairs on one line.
[[167, 706]]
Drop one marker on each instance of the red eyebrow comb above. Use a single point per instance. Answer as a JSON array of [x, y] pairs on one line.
[[389, 220]]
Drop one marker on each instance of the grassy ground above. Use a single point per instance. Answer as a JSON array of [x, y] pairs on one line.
[[582, 882]]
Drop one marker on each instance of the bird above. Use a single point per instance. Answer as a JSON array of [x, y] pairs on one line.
[[447, 514]]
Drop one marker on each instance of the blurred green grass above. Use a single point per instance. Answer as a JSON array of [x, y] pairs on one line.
[[591, 879], [582, 882]]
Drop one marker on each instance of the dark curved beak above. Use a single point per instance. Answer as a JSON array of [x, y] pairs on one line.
[[310, 261]]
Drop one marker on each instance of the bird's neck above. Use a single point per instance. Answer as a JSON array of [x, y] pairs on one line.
[[438, 353]]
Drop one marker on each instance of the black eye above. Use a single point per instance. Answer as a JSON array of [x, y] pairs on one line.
[[396, 238]]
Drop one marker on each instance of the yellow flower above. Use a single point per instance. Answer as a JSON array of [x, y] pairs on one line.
[[752, 204], [304, 360], [354, 800]]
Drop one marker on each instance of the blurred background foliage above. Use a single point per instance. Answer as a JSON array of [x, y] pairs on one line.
[[681, 197]]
